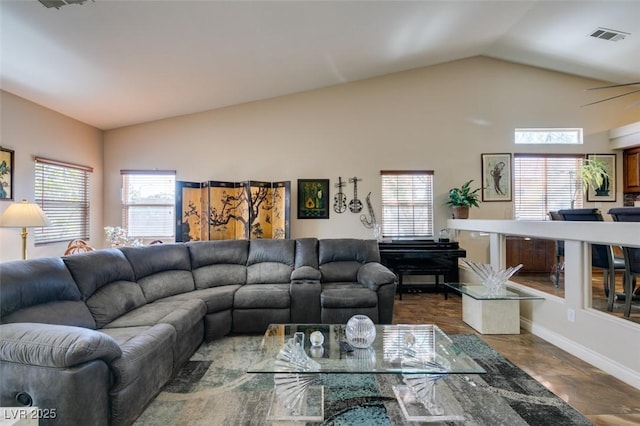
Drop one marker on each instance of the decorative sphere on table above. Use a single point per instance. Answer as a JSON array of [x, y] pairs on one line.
[[316, 338], [360, 331]]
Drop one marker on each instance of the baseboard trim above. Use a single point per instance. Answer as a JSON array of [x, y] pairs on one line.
[[596, 359]]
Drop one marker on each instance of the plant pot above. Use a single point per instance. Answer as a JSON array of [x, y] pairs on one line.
[[460, 212], [603, 190]]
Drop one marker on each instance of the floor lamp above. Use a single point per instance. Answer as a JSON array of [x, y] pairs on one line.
[[24, 215]]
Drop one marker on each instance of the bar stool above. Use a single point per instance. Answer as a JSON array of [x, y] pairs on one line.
[[559, 265], [631, 256], [601, 255]]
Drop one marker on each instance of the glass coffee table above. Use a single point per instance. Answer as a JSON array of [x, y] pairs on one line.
[[421, 354], [491, 312]]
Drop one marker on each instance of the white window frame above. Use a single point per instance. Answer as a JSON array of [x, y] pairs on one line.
[[405, 207], [143, 180], [63, 192]]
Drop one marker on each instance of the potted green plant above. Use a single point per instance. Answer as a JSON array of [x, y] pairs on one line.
[[461, 199], [594, 173]]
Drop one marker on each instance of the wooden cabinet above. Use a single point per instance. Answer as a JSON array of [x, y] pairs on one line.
[[536, 255], [631, 169]]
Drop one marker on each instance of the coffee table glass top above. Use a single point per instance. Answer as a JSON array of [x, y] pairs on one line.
[[480, 292], [397, 349]]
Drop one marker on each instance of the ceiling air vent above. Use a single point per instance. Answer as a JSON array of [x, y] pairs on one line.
[[607, 34]]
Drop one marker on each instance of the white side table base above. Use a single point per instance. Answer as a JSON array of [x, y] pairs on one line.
[[498, 316]]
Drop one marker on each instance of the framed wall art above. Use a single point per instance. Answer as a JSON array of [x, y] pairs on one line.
[[496, 177], [313, 196], [606, 191], [6, 174]]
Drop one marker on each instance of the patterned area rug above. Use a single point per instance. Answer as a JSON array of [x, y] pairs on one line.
[[213, 389]]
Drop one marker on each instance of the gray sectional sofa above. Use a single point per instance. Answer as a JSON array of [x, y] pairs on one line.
[[91, 338]]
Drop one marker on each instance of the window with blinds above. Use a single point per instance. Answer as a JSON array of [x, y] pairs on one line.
[[407, 204], [62, 190], [148, 203], [543, 183]]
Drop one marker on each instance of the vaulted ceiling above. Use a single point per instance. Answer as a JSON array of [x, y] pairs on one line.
[[115, 63]]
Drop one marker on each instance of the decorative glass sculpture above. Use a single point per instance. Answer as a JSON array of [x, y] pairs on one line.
[[316, 338], [291, 386], [362, 359], [360, 331], [494, 280], [293, 358], [421, 355]]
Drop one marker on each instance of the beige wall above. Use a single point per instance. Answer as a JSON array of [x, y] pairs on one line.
[[30, 129], [439, 118]]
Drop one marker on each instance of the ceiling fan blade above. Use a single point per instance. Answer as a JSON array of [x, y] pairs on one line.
[[612, 97], [614, 85]]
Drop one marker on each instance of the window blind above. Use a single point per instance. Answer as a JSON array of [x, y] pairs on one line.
[[62, 190], [407, 204], [148, 201], [546, 182]]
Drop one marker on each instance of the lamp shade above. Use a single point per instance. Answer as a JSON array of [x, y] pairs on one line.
[[24, 215]]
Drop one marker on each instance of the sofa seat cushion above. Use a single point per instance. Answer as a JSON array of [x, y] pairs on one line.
[[216, 298], [251, 296], [124, 334], [347, 295], [182, 315]]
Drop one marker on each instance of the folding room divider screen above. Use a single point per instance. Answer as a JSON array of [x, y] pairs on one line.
[[216, 210]]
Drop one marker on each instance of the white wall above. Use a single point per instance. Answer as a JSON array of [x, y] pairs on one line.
[[32, 130], [439, 118]]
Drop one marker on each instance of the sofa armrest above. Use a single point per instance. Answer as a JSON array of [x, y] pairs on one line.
[[306, 274], [58, 346], [373, 275]]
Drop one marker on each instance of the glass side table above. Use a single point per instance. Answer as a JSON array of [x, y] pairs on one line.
[[489, 312]]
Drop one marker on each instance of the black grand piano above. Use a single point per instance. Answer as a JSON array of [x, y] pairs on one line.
[[422, 257]]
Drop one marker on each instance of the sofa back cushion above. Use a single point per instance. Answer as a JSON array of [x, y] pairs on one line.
[[41, 290], [161, 270], [106, 282], [340, 259], [306, 252], [216, 263], [270, 261]]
